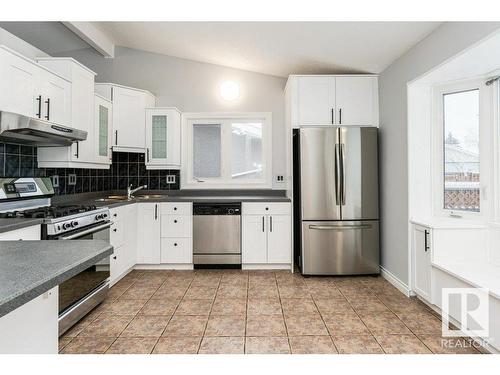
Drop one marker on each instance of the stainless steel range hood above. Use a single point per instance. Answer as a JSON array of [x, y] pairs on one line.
[[34, 131]]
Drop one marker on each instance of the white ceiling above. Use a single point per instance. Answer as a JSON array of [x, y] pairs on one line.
[[276, 48]]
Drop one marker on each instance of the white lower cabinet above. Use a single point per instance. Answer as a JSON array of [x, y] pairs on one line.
[[421, 261], [176, 233], [148, 230], [123, 237], [30, 233], [33, 327], [266, 234]]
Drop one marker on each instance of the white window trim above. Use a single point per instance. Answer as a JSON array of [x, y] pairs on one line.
[[187, 180], [486, 144]]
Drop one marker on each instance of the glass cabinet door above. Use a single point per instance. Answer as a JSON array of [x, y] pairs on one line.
[[159, 137], [103, 131]]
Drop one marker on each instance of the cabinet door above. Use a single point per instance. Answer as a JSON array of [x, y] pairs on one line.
[[148, 233], [56, 98], [102, 130], [18, 80], [128, 118], [117, 264], [356, 100], [279, 242], [316, 100], [130, 235], [421, 261], [176, 251], [163, 138], [254, 239], [83, 115]]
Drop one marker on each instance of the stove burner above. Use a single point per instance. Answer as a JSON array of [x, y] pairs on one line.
[[49, 212]]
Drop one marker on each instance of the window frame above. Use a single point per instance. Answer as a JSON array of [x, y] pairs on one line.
[[486, 155], [225, 181]]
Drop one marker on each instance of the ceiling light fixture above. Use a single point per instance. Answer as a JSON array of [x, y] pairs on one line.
[[229, 90]]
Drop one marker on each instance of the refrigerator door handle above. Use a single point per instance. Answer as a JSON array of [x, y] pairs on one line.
[[342, 158], [338, 176], [340, 227]]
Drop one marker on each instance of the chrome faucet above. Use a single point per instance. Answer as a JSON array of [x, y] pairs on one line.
[[131, 191]]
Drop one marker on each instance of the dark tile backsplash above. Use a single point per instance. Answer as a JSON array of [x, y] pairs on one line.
[[126, 169]]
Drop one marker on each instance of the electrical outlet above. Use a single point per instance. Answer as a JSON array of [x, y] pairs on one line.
[[55, 181], [171, 179], [280, 178], [72, 179]]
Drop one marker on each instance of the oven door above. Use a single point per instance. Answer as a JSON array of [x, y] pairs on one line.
[[79, 286]]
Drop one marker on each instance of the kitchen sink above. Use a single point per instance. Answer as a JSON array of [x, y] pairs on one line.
[[152, 196]]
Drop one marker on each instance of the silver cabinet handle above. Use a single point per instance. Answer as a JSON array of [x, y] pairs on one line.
[[340, 116], [270, 223], [332, 116], [88, 231], [263, 223], [147, 155], [340, 227]]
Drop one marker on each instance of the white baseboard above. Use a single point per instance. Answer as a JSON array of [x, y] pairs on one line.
[[163, 267], [397, 283]]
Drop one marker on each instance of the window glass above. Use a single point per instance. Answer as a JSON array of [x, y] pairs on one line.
[[207, 150], [103, 131], [246, 151], [159, 135], [461, 151]]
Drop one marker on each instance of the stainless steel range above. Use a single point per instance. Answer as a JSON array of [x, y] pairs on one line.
[[30, 198]]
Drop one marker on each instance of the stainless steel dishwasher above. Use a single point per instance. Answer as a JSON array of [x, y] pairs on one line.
[[217, 235]]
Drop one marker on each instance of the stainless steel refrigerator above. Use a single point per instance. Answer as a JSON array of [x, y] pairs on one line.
[[337, 199]]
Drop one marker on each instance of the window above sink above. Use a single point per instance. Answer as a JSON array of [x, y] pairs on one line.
[[229, 150]]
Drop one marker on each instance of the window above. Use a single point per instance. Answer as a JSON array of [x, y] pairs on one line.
[[232, 150], [461, 151]]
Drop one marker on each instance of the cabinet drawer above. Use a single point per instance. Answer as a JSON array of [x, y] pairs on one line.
[[176, 208], [116, 235], [264, 208], [176, 226], [176, 250]]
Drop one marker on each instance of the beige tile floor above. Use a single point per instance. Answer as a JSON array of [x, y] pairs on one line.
[[234, 311]]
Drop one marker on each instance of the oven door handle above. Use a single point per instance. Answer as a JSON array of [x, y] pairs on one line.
[[88, 231]]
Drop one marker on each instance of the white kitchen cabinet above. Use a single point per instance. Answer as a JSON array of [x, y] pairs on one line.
[[356, 100], [254, 239], [279, 239], [163, 138], [148, 229], [316, 100], [338, 100], [266, 234], [176, 233], [33, 327], [123, 237], [103, 112], [84, 116], [421, 254], [29, 89], [28, 234], [129, 116]]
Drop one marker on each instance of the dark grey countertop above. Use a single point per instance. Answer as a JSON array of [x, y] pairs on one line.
[[7, 225], [30, 268]]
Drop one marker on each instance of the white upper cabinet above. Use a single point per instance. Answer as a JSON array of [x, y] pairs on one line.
[[357, 100], [163, 138], [103, 117], [316, 100], [84, 154], [326, 100], [30, 89], [129, 105]]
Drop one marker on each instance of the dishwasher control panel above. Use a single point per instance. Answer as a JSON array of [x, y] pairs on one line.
[[217, 209]]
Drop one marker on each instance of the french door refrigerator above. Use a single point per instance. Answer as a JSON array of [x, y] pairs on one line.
[[339, 209]]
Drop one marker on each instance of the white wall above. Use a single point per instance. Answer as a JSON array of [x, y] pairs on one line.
[[193, 87], [442, 44]]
